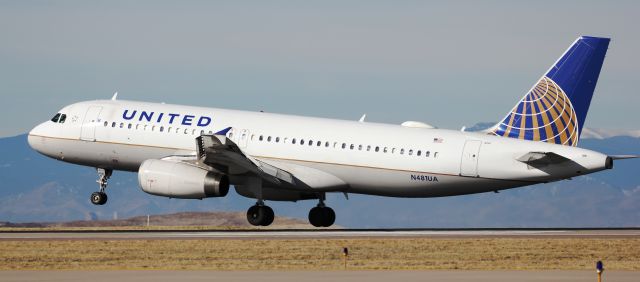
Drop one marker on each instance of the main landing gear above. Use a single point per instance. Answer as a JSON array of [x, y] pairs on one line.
[[321, 215], [100, 197], [260, 214]]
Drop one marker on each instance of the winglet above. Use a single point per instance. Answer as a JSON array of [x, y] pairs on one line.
[[362, 118], [224, 131], [115, 96]]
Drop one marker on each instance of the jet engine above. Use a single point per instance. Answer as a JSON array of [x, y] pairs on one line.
[[181, 180]]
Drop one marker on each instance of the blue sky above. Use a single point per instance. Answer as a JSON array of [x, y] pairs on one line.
[[446, 63]]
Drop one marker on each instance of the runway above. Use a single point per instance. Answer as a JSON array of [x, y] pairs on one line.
[[267, 234], [281, 276]]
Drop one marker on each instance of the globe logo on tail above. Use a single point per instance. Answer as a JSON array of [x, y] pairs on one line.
[[544, 114]]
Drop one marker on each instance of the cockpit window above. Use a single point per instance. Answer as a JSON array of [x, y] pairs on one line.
[[56, 117], [63, 117]]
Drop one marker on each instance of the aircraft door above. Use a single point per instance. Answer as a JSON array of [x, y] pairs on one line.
[[89, 124], [470, 155], [243, 138]]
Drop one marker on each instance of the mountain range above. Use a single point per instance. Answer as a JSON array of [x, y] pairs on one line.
[[34, 188]]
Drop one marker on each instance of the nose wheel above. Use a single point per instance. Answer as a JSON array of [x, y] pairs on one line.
[[100, 197]]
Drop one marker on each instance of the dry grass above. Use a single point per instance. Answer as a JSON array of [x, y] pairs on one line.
[[365, 254], [129, 228]]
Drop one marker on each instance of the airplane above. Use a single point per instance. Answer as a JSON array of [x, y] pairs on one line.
[[191, 152]]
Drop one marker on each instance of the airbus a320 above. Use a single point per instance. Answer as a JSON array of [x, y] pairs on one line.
[[196, 152]]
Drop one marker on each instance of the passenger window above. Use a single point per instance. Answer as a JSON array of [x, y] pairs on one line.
[[106, 123], [301, 141], [56, 117], [286, 139], [293, 141], [326, 144], [368, 148], [335, 144], [352, 146], [63, 117], [161, 128], [121, 125], [377, 148], [393, 150], [113, 124], [384, 150], [435, 154], [360, 147], [145, 127], [310, 142], [269, 139], [426, 154], [319, 143], [252, 135], [201, 132], [137, 126], [129, 126], [186, 131], [193, 132], [419, 153], [261, 138], [277, 139], [177, 130], [344, 145]]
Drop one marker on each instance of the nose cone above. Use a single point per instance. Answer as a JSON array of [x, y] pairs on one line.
[[36, 138]]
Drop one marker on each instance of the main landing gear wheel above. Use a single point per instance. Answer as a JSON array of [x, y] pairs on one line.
[[260, 215], [100, 197], [322, 216]]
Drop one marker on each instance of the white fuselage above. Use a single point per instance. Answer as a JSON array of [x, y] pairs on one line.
[[355, 157]]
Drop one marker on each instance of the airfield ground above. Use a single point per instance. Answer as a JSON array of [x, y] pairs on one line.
[[483, 251]]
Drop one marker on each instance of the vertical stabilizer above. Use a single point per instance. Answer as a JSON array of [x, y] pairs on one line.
[[555, 109]]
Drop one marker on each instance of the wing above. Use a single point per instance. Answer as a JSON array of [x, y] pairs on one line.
[[222, 154]]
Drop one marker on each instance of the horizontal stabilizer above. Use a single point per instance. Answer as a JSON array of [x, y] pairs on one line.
[[542, 158], [623, 157]]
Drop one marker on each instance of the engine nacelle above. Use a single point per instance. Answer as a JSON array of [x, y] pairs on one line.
[[180, 180]]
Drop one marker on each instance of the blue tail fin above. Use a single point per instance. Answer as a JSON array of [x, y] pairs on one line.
[[555, 108]]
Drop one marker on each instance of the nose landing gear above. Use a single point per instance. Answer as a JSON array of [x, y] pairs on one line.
[[100, 197]]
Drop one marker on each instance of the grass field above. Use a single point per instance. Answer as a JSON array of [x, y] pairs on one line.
[[320, 254]]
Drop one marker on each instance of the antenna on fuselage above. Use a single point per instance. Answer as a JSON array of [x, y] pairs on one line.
[[115, 96]]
